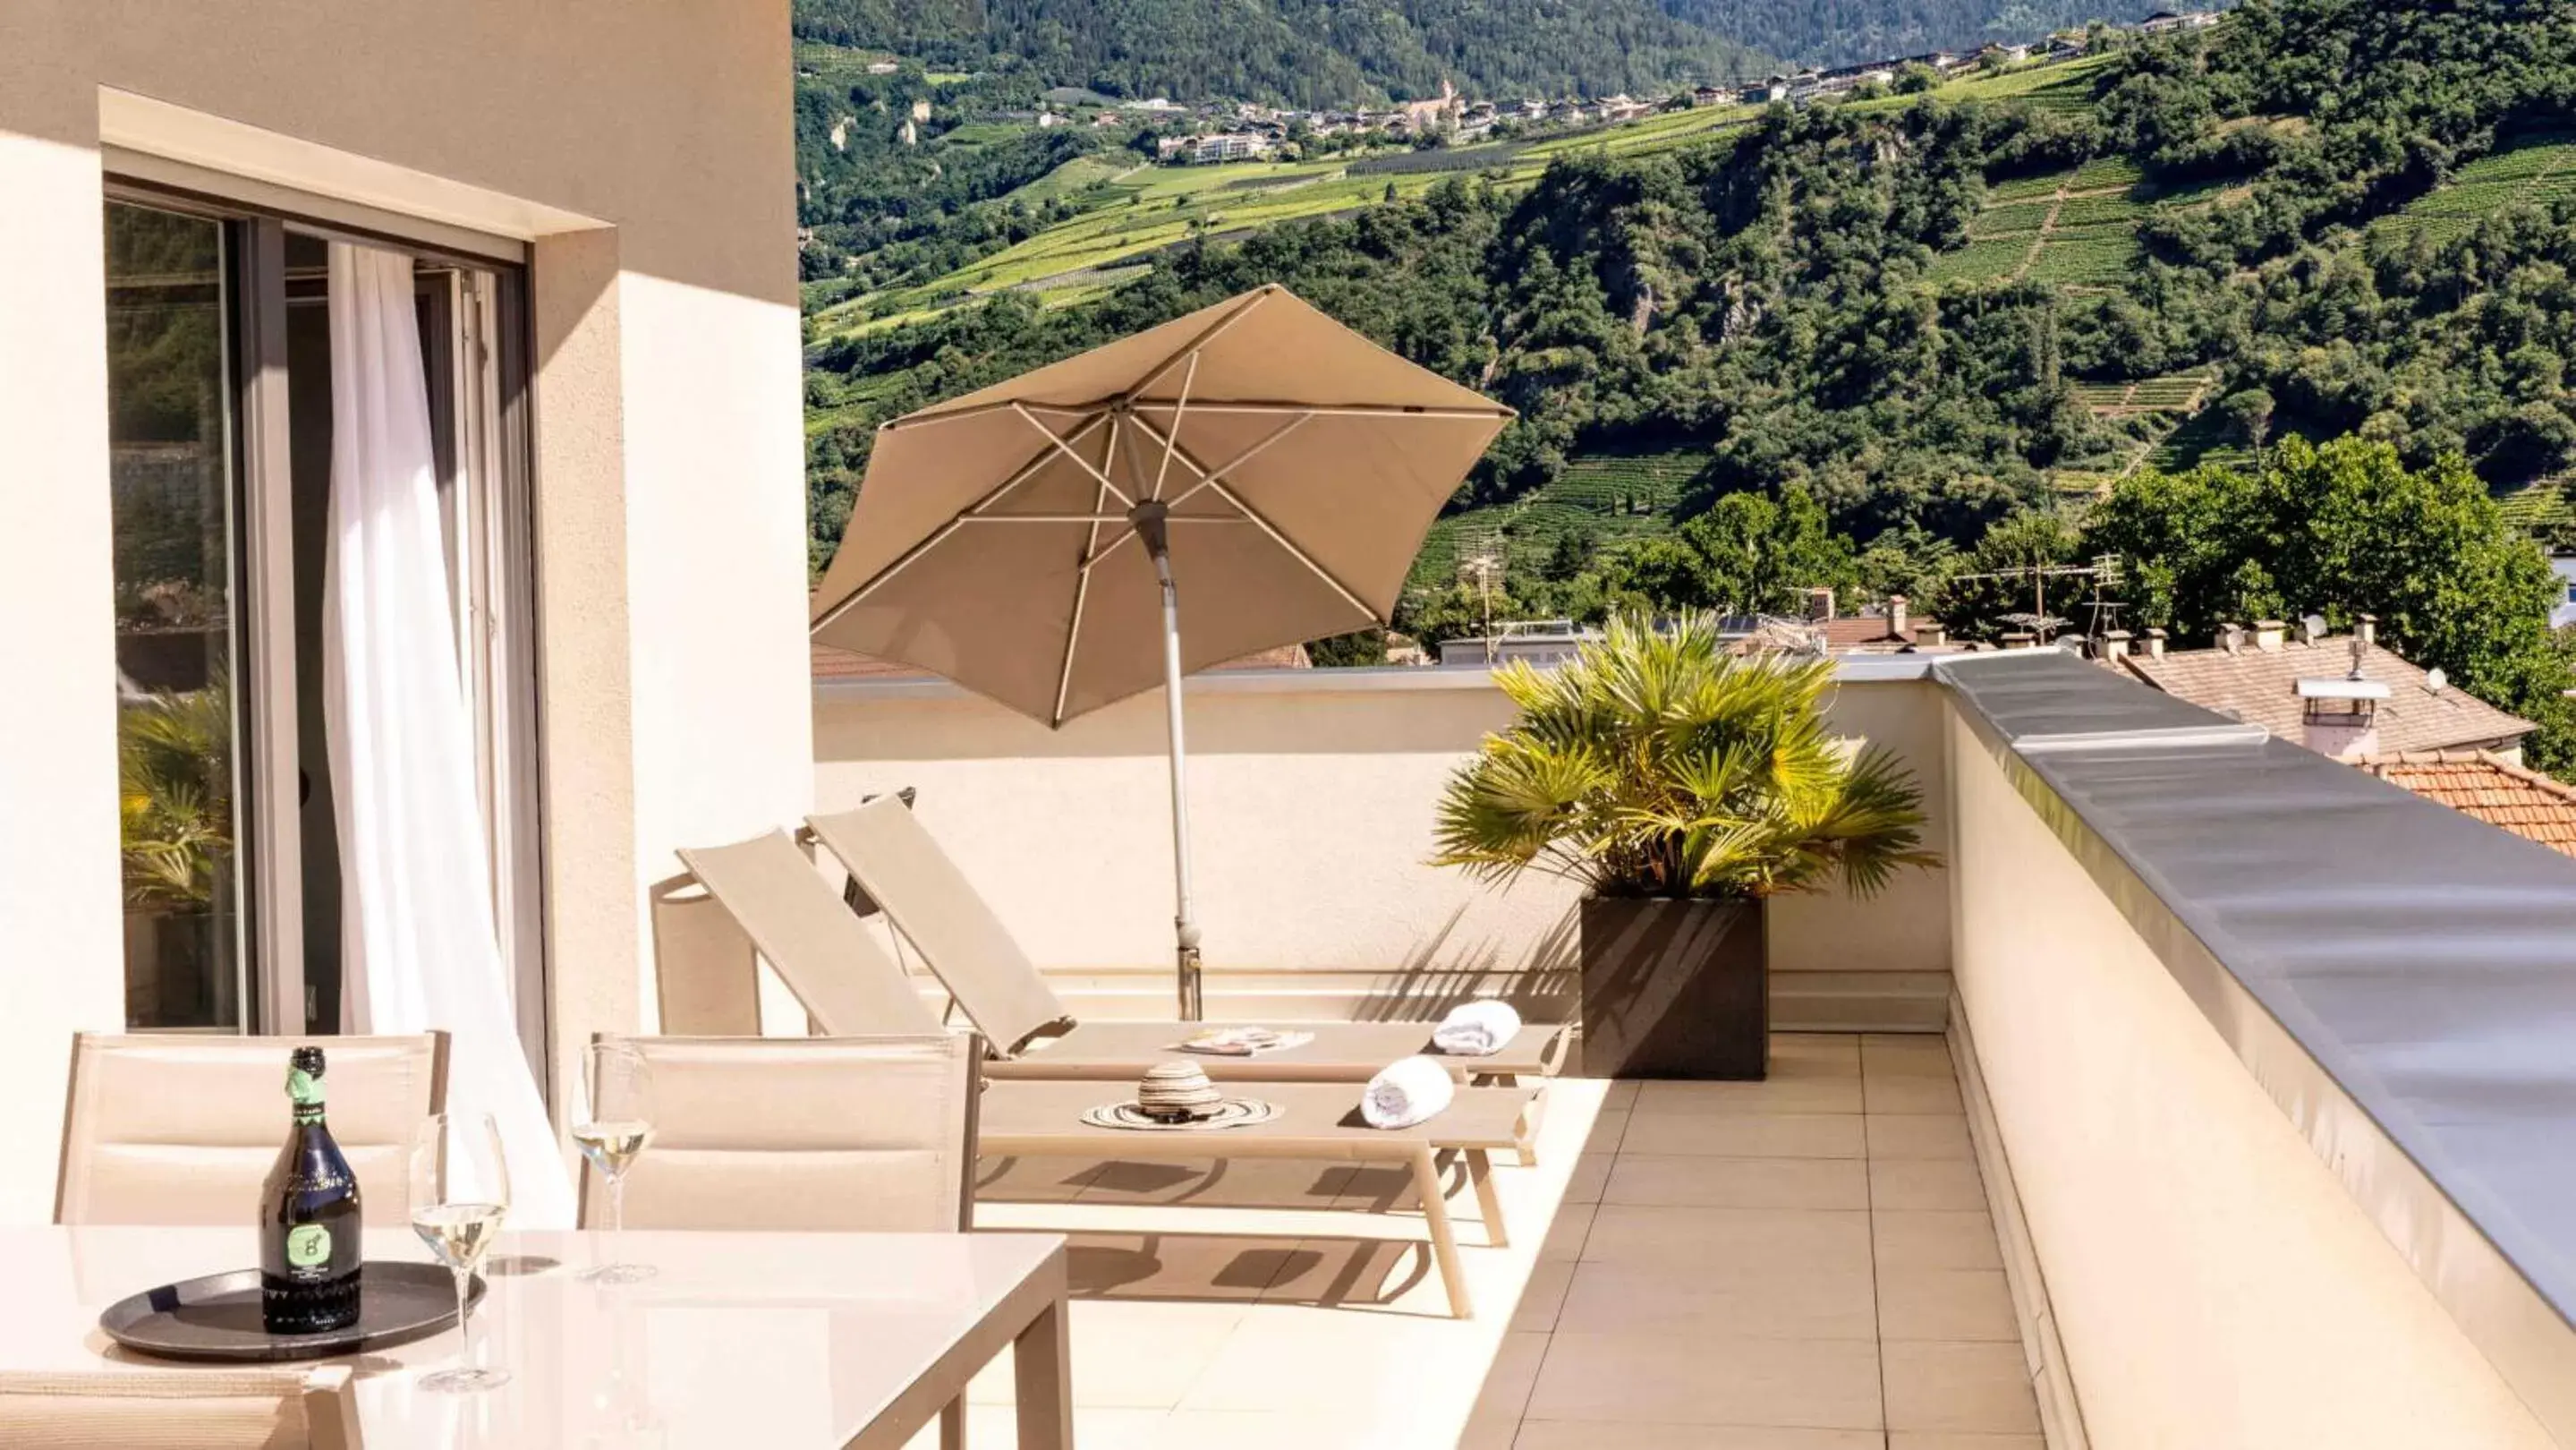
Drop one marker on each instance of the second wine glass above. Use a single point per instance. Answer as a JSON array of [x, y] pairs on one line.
[[616, 1132], [460, 1192]]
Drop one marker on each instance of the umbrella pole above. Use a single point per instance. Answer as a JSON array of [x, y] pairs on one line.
[[1185, 930]]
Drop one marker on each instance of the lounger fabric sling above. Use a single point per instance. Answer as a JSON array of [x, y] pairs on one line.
[[902, 869]]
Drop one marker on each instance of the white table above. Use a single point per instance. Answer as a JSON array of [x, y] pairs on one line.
[[742, 1339]]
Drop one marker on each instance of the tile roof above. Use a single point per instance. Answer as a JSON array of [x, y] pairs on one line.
[[1868, 631], [2483, 784], [830, 663], [2260, 687]]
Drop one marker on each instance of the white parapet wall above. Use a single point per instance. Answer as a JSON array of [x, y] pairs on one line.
[[2212, 1282], [1312, 799]]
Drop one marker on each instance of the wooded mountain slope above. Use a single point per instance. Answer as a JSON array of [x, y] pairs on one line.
[[1307, 53]]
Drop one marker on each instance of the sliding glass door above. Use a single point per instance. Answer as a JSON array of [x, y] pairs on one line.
[[171, 489], [220, 382]]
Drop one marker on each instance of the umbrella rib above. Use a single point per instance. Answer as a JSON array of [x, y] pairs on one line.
[[1211, 478], [1091, 551], [1164, 470], [1199, 343], [1210, 475], [1342, 410], [1020, 475], [1064, 448], [1300, 555]]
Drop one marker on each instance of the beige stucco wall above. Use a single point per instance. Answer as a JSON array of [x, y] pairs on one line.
[[669, 479], [1312, 798], [2214, 1285]]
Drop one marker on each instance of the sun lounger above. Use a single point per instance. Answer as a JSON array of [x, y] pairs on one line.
[[903, 871], [850, 986]]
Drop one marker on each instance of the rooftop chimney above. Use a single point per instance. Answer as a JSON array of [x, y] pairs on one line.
[[1896, 615], [2270, 635], [2113, 645], [1931, 632], [2231, 637], [2365, 628], [2155, 644], [2020, 639], [1820, 604]]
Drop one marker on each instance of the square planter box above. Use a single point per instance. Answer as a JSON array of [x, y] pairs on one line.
[[1674, 989]]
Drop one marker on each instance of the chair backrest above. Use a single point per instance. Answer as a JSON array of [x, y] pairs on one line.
[[824, 953], [916, 884], [263, 1409], [706, 972], [788, 1134], [167, 1129]]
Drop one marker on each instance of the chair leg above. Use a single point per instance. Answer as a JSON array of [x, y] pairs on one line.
[[1444, 1240], [1480, 1171]]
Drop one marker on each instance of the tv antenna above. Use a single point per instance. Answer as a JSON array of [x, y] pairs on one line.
[[1480, 567], [2103, 572]]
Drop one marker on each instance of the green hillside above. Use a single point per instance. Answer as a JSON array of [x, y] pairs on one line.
[[1924, 312], [1848, 32], [1310, 53]]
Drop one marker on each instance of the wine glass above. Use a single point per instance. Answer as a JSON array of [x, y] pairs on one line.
[[460, 1192], [618, 1130]]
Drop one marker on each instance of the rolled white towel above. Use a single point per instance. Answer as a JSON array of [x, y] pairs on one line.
[[1477, 1029], [1411, 1090]]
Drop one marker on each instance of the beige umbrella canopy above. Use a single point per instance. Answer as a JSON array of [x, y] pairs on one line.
[[1257, 458]]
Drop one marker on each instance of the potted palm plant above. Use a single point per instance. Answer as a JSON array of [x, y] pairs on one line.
[[1683, 786]]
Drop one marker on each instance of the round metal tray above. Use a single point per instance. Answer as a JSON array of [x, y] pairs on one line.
[[218, 1317]]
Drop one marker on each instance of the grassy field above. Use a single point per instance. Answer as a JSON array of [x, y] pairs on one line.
[[2535, 172], [1618, 498], [2077, 227], [1130, 212]]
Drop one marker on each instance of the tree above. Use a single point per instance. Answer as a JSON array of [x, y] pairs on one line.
[[1746, 555], [2250, 409], [1657, 764], [1998, 576], [1346, 651], [2346, 529]]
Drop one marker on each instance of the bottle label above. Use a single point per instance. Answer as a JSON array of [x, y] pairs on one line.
[[308, 1244]]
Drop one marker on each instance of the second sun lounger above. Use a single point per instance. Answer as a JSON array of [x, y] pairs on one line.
[[902, 869]]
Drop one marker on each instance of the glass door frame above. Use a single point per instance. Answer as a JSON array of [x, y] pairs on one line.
[[487, 355]]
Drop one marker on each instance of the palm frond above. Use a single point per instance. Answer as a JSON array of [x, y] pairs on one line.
[[1655, 763]]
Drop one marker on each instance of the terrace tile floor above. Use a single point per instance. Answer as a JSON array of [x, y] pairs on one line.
[[1805, 1263]]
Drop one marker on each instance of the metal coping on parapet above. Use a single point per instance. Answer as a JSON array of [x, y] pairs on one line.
[[2170, 737]]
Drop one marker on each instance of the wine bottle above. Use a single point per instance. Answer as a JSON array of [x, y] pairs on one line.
[[308, 1233]]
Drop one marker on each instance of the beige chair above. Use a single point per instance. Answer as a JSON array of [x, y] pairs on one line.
[[172, 1410], [819, 1134], [786, 1134], [763, 898], [904, 872], [168, 1129]]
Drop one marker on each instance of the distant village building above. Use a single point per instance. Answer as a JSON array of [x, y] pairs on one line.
[[1209, 149], [1439, 114], [2164, 20], [882, 67], [2339, 695], [1708, 96]]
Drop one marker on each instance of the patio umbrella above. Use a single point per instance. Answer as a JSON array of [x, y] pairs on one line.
[[1032, 541]]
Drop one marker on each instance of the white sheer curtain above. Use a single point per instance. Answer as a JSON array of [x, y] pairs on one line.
[[418, 944]]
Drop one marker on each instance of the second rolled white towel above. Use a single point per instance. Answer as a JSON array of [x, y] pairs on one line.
[[1477, 1029], [1409, 1091]]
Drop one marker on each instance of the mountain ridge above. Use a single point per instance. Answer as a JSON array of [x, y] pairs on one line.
[[1304, 53]]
